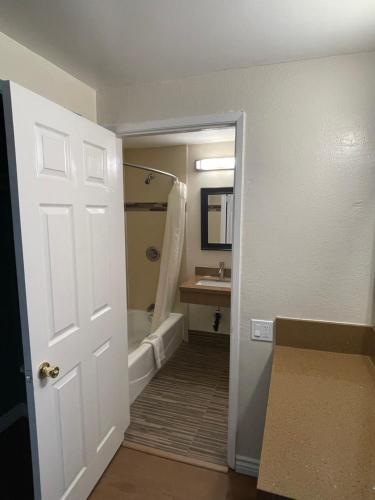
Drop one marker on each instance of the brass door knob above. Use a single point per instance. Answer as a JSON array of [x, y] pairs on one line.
[[46, 370]]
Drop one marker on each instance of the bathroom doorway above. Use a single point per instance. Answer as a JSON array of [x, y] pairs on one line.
[[187, 405], [102, 346]]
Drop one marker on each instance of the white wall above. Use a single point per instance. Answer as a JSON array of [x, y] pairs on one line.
[[309, 193], [200, 317], [23, 66]]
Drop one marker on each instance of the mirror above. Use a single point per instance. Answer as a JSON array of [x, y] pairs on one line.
[[216, 218]]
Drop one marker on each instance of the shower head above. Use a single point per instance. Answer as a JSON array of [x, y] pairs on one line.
[[149, 178]]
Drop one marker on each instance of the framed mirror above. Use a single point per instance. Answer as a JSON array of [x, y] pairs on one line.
[[216, 218]]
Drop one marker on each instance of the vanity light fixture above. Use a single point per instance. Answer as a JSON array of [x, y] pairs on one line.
[[215, 163]]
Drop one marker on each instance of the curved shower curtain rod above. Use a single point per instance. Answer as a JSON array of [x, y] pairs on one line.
[[149, 169]]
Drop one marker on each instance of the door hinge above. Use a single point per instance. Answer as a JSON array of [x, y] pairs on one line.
[[27, 373]]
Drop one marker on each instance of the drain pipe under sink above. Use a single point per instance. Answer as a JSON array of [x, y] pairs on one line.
[[216, 319]]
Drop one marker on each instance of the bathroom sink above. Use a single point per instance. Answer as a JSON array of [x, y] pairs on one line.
[[216, 283], [206, 290]]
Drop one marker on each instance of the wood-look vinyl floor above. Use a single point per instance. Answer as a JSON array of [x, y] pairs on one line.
[[184, 409], [133, 475]]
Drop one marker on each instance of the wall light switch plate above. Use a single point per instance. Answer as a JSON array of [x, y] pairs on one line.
[[262, 330]]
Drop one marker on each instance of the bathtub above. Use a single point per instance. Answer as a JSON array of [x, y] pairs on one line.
[[141, 360]]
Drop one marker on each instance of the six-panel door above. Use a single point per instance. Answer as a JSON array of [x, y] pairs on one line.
[[67, 195]]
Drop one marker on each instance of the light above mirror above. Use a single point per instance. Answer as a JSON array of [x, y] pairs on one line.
[[215, 163]]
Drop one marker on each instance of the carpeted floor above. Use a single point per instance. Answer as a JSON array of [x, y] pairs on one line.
[[184, 409]]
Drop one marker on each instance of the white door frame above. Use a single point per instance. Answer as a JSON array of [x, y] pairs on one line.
[[186, 124]]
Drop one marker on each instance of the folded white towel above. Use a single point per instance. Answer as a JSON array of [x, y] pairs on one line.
[[158, 347]]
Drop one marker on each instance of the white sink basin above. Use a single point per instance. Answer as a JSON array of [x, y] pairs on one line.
[[216, 283]]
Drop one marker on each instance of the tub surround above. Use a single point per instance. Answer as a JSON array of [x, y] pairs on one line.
[[192, 293], [319, 439], [141, 359]]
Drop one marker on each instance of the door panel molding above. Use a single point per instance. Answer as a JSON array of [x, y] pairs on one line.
[[67, 204]]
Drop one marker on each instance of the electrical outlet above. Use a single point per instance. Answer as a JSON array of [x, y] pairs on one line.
[[262, 330]]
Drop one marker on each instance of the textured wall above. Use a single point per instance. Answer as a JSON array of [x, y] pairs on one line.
[[309, 194], [23, 66]]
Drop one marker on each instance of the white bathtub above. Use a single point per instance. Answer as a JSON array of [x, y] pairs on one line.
[[141, 360]]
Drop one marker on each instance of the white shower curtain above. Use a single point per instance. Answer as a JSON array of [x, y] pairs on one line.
[[171, 255]]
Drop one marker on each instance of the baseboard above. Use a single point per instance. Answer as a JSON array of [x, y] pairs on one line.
[[247, 465]]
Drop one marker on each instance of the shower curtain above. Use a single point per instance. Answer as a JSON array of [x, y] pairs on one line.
[[173, 243]]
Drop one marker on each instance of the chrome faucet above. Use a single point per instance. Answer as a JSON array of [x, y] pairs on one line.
[[221, 270]]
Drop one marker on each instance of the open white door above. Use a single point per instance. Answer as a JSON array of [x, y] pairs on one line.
[[67, 198]]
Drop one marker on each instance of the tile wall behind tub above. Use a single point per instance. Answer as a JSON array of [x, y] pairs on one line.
[[145, 228]]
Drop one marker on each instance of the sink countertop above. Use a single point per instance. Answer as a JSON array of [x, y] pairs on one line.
[[190, 285], [319, 439]]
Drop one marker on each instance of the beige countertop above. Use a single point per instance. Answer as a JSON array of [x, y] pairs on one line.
[[191, 293], [319, 440], [190, 284]]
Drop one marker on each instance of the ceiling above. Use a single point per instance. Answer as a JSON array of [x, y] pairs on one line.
[[205, 136], [116, 42]]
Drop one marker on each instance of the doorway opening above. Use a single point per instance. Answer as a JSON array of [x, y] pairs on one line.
[[14, 416], [185, 404]]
